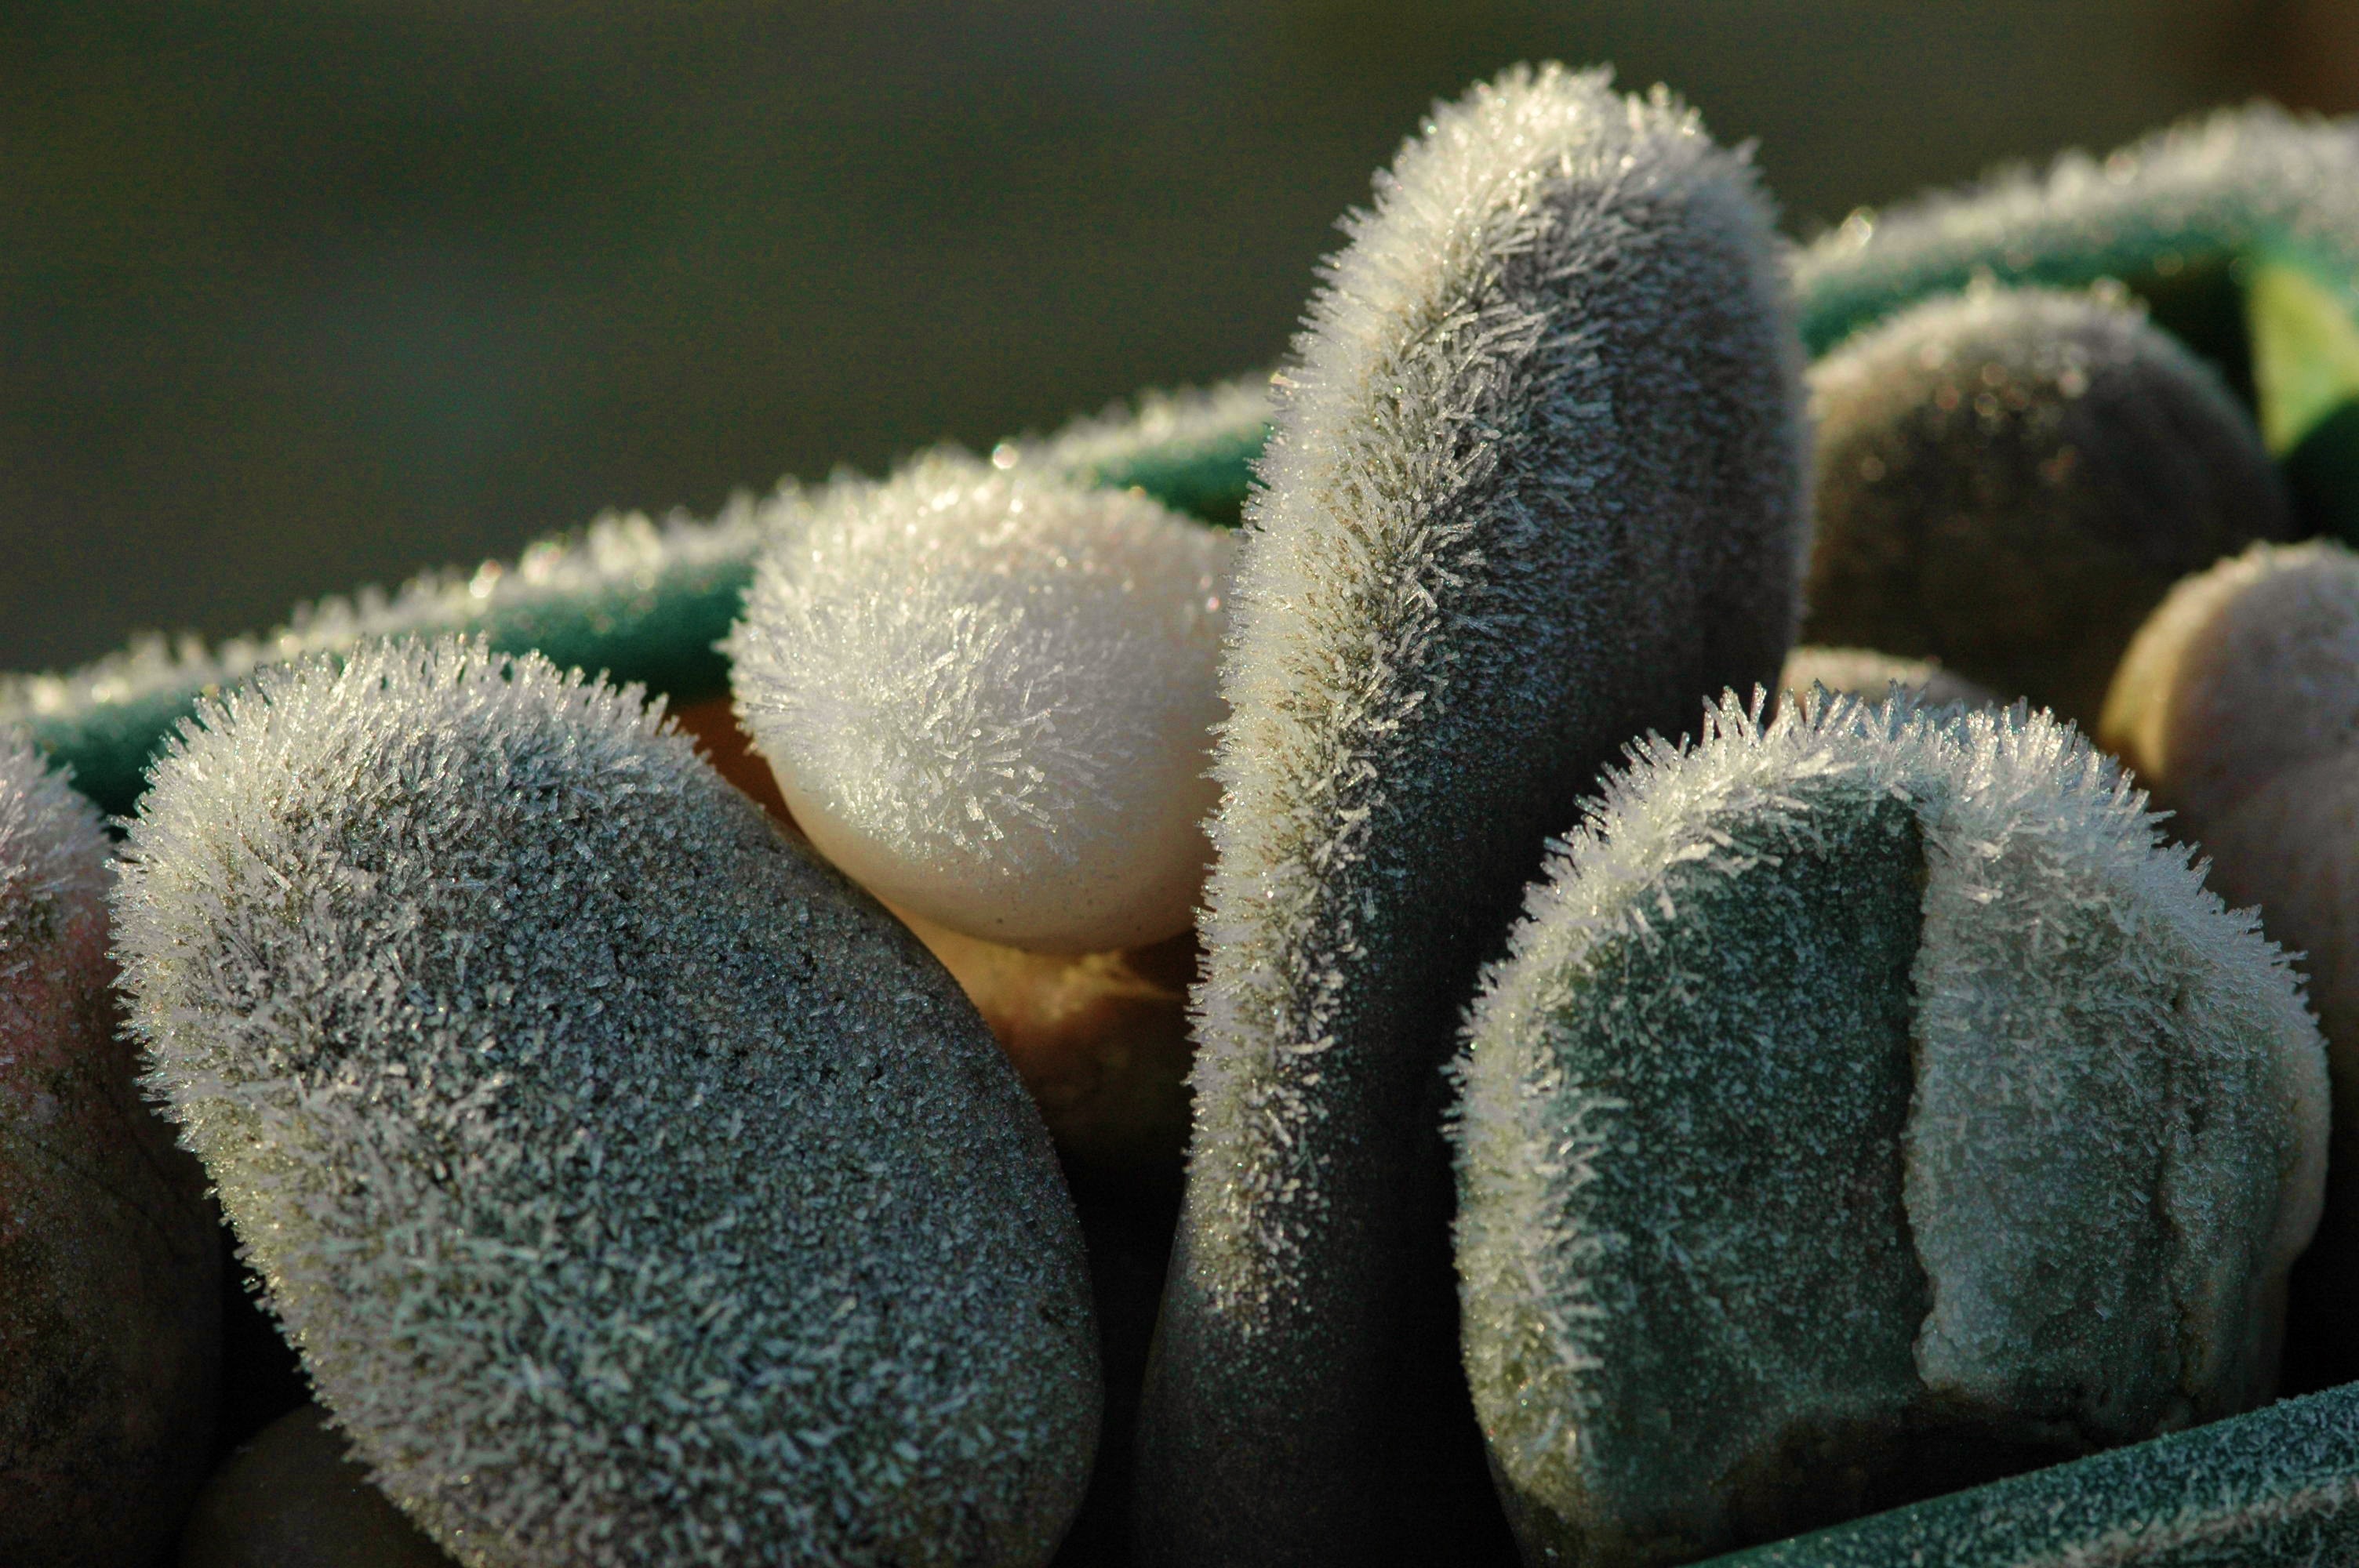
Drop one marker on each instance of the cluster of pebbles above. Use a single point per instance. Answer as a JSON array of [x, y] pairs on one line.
[[1498, 1130]]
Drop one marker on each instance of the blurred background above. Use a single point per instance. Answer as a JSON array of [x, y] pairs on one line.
[[299, 295]]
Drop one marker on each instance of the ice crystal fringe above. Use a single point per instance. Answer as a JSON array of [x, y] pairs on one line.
[[2241, 230], [1536, 485], [627, 594], [2188, 200], [635, 1190], [1189, 449], [1873, 1087], [636, 599]]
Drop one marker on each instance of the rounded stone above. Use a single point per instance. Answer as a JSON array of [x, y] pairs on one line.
[[1870, 1105], [2009, 479], [109, 1253], [989, 697], [635, 1190]]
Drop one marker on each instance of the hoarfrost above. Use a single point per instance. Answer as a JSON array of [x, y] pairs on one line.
[[2189, 198], [2053, 1161], [1536, 485], [635, 1190]]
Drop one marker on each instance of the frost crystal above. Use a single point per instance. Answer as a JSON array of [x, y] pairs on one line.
[[989, 697], [635, 1191], [2175, 206], [1535, 487], [1189, 449], [1868, 1105], [2009, 479], [625, 594]]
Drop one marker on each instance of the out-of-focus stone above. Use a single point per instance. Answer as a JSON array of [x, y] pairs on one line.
[[109, 1257]]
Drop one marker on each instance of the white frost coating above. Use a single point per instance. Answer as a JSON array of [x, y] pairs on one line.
[[989, 697], [1154, 425], [2059, 944], [615, 554], [1536, 483], [2116, 1143], [2238, 174], [637, 1192], [1446, 501]]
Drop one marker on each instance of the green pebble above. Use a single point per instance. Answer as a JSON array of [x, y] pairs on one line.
[[1868, 1107]]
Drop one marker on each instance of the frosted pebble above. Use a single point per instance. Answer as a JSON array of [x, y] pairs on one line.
[[2238, 704], [2009, 479], [988, 696], [1535, 487], [635, 1189], [1868, 1105]]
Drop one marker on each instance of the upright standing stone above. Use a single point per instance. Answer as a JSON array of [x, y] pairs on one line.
[[1536, 487]]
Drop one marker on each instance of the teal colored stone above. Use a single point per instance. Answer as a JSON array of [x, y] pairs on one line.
[[1730, 1080], [1869, 1105]]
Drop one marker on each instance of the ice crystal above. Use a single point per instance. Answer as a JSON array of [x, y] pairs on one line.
[[989, 697], [2009, 479], [1189, 449], [2180, 205], [1536, 485], [1868, 1102], [635, 1191], [641, 599]]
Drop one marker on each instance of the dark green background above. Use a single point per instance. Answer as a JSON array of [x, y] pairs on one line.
[[299, 296]]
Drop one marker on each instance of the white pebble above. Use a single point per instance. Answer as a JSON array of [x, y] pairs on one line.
[[989, 697]]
